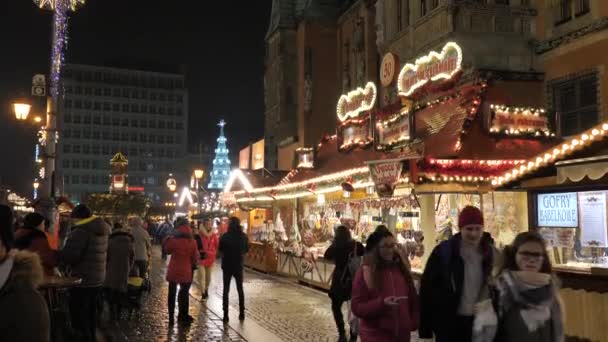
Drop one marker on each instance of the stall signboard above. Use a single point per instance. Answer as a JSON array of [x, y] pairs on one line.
[[557, 210], [593, 219], [518, 120], [355, 134], [430, 68], [388, 69], [385, 175], [357, 101], [393, 133]]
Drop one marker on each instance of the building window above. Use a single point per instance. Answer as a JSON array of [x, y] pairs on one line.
[[67, 133], [125, 123], [67, 118], [75, 179], [179, 125], [78, 104], [97, 106], [133, 136], [142, 138], [68, 103], [67, 148], [161, 139], [96, 135], [581, 7], [76, 134], [143, 123], [97, 120], [115, 107], [88, 104], [76, 148], [115, 121], [106, 120], [86, 134], [161, 124], [134, 108], [98, 91], [77, 119], [170, 139], [170, 125], [403, 16], [105, 149], [576, 102], [86, 164], [152, 124], [106, 135], [107, 92], [75, 164], [66, 179], [95, 148], [115, 136], [87, 119], [125, 108], [124, 136], [86, 149], [66, 164], [106, 106], [134, 123]]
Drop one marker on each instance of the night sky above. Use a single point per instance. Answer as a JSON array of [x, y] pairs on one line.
[[220, 44]]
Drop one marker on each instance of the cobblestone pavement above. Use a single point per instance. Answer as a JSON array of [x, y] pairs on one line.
[[287, 310], [151, 323]]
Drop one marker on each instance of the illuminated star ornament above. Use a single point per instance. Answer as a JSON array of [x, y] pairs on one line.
[[52, 4]]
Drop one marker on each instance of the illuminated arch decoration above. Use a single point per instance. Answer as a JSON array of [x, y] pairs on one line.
[[238, 174], [359, 100], [186, 195], [432, 67]]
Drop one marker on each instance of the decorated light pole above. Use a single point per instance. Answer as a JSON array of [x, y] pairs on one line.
[[60, 10]]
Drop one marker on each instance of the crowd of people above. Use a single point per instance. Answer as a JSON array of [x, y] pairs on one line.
[[468, 291]]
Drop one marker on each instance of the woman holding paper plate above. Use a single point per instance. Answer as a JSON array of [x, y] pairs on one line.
[[384, 297]]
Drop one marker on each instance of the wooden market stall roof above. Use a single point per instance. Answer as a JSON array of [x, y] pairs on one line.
[[588, 147], [452, 123]]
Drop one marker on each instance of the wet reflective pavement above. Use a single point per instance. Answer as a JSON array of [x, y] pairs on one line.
[[151, 322], [276, 310]]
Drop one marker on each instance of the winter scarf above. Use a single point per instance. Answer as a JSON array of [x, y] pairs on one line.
[[536, 297]]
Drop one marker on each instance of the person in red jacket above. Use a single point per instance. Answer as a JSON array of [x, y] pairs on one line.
[[33, 238], [184, 258], [383, 296], [210, 245]]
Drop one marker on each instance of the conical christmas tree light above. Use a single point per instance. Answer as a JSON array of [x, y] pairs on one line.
[[221, 162]]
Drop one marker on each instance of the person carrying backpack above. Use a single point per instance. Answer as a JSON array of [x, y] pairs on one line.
[[343, 251]]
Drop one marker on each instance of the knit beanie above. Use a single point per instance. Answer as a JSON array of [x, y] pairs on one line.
[[6, 226], [470, 215], [81, 212], [32, 220]]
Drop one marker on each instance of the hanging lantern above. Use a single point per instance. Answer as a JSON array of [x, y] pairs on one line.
[[347, 185]]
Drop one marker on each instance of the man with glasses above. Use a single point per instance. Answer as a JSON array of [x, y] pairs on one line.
[[455, 279]]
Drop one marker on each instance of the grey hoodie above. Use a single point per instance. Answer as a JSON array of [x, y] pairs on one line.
[[86, 249]]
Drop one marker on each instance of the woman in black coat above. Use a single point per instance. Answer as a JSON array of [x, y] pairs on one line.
[[342, 249]]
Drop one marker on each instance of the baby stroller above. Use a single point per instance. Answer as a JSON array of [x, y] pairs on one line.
[[137, 285], [135, 290]]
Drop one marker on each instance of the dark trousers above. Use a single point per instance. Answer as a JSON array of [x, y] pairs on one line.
[[83, 311], [183, 299], [336, 309], [116, 300], [238, 277], [461, 330], [142, 268]]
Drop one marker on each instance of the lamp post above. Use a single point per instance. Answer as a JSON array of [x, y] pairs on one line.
[[60, 9], [198, 174]]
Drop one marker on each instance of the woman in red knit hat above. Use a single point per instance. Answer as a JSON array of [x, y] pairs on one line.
[[455, 279]]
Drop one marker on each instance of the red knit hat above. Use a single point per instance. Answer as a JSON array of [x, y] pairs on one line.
[[470, 215]]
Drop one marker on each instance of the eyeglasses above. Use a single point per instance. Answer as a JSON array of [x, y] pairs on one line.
[[391, 246], [531, 255]]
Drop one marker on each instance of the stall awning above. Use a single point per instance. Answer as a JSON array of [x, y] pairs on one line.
[[577, 170]]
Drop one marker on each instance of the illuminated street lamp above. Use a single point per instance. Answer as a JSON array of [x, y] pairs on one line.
[[36, 185], [171, 184], [22, 110], [198, 174]]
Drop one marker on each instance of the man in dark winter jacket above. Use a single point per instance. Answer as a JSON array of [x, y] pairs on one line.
[[85, 254], [455, 279], [233, 247]]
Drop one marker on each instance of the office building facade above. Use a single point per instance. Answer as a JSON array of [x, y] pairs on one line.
[[106, 110]]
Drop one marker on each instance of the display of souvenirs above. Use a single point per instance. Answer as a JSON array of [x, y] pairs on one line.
[[502, 218], [279, 229]]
